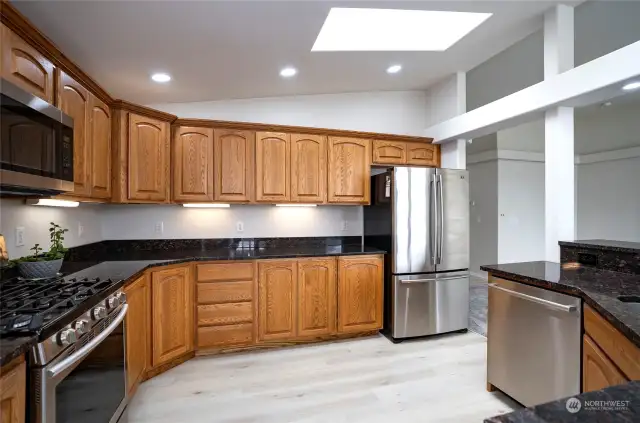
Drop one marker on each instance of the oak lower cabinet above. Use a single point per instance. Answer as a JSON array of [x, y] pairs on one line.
[[137, 327], [13, 392], [360, 290], [316, 297], [172, 314], [277, 290], [349, 170], [598, 371]]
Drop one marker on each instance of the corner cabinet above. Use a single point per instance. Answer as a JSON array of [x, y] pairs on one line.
[[192, 164], [137, 326], [360, 293], [233, 152], [349, 170]]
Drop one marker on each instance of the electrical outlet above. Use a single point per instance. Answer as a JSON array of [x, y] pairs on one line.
[[80, 230], [19, 236], [240, 226], [345, 225], [159, 228]]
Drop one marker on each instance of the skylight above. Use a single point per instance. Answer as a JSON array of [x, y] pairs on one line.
[[350, 29]]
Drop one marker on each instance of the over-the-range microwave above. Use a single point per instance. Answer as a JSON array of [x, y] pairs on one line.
[[36, 145]]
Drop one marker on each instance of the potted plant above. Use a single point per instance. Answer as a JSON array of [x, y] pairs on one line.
[[41, 265]]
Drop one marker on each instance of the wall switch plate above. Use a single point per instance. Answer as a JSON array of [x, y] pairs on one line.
[[159, 228], [19, 236], [345, 225], [239, 226], [80, 230]]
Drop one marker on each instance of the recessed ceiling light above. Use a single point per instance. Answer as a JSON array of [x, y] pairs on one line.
[[288, 72], [352, 29], [394, 69], [161, 77], [632, 86]]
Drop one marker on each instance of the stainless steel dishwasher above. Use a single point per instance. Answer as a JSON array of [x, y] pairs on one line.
[[533, 342]]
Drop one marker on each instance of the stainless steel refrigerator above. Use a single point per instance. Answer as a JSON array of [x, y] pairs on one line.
[[421, 217]]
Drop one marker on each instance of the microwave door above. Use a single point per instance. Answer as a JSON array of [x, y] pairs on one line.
[[452, 244], [413, 220]]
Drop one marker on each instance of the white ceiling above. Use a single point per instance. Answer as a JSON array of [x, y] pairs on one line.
[[234, 49]]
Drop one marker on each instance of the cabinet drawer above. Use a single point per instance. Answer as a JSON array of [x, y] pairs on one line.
[[225, 272], [225, 292], [225, 314], [215, 336], [615, 345]]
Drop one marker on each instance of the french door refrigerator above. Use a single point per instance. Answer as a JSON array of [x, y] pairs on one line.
[[421, 217]]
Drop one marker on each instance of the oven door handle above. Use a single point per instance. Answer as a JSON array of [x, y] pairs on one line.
[[91, 345]]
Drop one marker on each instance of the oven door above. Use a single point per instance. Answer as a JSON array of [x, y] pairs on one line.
[[89, 384]]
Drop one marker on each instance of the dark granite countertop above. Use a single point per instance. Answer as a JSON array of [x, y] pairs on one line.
[[604, 244], [598, 288], [14, 347], [627, 409]]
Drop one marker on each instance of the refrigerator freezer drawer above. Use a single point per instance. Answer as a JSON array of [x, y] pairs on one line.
[[429, 304]]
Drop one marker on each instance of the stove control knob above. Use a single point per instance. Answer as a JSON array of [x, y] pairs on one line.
[[66, 337], [81, 326], [122, 297], [112, 302], [98, 313]]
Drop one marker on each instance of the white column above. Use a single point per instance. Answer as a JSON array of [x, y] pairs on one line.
[[560, 222], [454, 153]]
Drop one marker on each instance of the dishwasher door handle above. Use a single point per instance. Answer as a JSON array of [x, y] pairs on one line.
[[541, 301]]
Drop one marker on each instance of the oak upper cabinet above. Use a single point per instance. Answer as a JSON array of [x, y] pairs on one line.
[[99, 148], [25, 66], [13, 393], [137, 326], [173, 313], [316, 311], [308, 168], [75, 102], [192, 164], [349, 170], [598, 371], [389, 152], [277, 282], [423, 154], [148, 159], [233, 165], [273, 168], [360, 282]]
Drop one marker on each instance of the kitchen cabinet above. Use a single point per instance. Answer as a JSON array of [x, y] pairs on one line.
[[406, 153], [99, 148], [423, 154], [192, 164], [308, 168], [75, 102], [277, 283], [25, 66], [598, 372], [389, 152], [349, 170], [172, 311], [273, 168], [360, 280], [316, 296], [234, 165], [13, 393], [137, 326]]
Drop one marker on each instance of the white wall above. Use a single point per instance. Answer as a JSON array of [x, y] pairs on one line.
[[35, 219], [138, 221], [616, 127], [483, 214], [394, 112]]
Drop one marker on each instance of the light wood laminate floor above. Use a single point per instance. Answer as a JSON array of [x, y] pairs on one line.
[[370, 380]]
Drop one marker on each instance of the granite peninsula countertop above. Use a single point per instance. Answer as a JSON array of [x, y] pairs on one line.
[[126, 264], [604, 245]]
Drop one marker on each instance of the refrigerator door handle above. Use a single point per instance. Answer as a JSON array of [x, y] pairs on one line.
[[433, 239], [440, 231], [430, 280]]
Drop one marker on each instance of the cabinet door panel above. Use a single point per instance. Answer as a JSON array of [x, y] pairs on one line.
[[25, 66], [273, 167], [349, 170], [419, 153], [173, 314], [308, 168], [193, 164], [598, 372], [137, 330], [388, 152], [360, 280], [100, 146], [276, 299], [75, 102], [13, 394], [148, 163], [233, 153], [316, 296]]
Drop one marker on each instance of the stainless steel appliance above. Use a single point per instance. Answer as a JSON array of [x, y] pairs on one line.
[[534, 341], [421, 216], [36, 145]]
